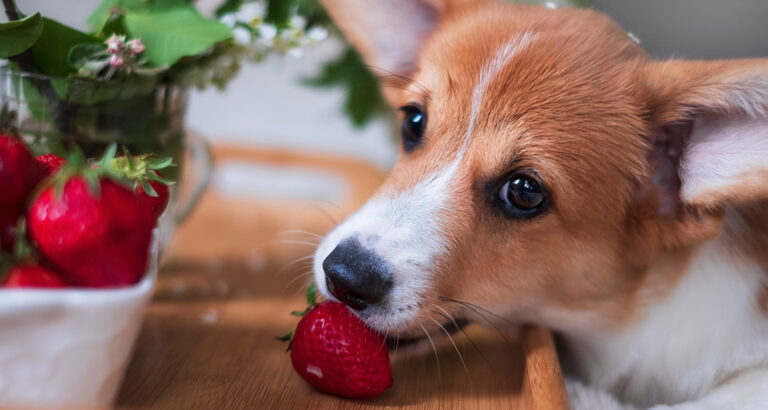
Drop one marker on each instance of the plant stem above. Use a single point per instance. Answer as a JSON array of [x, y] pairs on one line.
[[12, 10]]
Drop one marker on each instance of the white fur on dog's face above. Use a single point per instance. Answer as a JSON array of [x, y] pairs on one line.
[[404, 228]]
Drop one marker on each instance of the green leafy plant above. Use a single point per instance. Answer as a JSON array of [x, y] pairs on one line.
[[176, 46]]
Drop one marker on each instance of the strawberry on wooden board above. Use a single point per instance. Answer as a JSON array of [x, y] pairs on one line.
[[334, 351], [95, 230], [33, 276], [18, 171]]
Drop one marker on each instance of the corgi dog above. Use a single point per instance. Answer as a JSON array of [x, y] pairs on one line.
[[552, 173]]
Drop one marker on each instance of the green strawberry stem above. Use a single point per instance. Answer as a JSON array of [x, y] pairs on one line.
[[78, 166], [311, 295], [6, 261], [312, 302], [141, 169], [22, 249]]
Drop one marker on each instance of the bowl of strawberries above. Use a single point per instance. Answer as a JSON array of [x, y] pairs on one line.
[[78, 262]]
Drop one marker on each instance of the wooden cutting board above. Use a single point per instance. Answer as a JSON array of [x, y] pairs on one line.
[[226, 289]]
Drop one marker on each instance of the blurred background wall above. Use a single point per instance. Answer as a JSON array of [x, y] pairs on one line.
[[267, 105]]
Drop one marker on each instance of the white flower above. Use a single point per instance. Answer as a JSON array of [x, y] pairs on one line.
[[250, 11], [296, 52], [298, 22], [317, 33], [550, 5], [229, 20], [267, 31], [241, 35], [290, 35]]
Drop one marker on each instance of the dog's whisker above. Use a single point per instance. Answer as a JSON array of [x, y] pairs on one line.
[[303, 288], [283, 242], [437, 358], [295, 262], [384, 341], [461, 358], [295, 242], [477, 312], [469, 339], [477, 306], [324, 212], [299, 231], [300, 275], [447, 315]]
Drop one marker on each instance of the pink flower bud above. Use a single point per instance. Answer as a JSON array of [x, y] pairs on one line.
[[116, 61], [136, 46], [114, 44]]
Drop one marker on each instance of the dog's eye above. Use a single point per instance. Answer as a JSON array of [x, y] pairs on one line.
[[522, 195], [414, 123]]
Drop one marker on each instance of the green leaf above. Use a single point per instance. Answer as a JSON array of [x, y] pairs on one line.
[[25, 89], [175, 33], [80, 52], [100, 17], [278, 11], [17, 36], [311, 294], [51, 51], [36, 103], [301, 313], [228, 6], [363, 96], [114, 25]]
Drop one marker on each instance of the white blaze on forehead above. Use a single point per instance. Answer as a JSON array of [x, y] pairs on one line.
[[503, 56], [407, 228]]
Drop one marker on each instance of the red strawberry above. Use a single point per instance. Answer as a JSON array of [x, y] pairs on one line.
[[33, 276], [160, 200], [335, 352], [96, 239], [142, 171], [18, 171], [49, 163]]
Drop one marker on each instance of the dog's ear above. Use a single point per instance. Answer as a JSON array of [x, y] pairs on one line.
[[389, 34], [711, 138]]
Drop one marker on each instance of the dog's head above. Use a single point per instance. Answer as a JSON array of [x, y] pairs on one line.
[[549, 171]]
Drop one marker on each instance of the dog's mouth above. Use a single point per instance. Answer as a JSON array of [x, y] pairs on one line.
[[398, 342]]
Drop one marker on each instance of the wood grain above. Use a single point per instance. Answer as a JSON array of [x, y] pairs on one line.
[[225, 292]]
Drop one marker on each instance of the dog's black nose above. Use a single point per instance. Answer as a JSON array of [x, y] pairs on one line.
[[356, 276]]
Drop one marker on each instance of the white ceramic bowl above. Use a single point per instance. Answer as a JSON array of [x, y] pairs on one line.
[[69, 348]]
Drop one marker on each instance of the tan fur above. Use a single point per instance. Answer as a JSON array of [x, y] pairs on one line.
[[579, 107]]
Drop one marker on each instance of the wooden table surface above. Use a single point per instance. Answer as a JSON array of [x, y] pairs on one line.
[[226, 289]]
